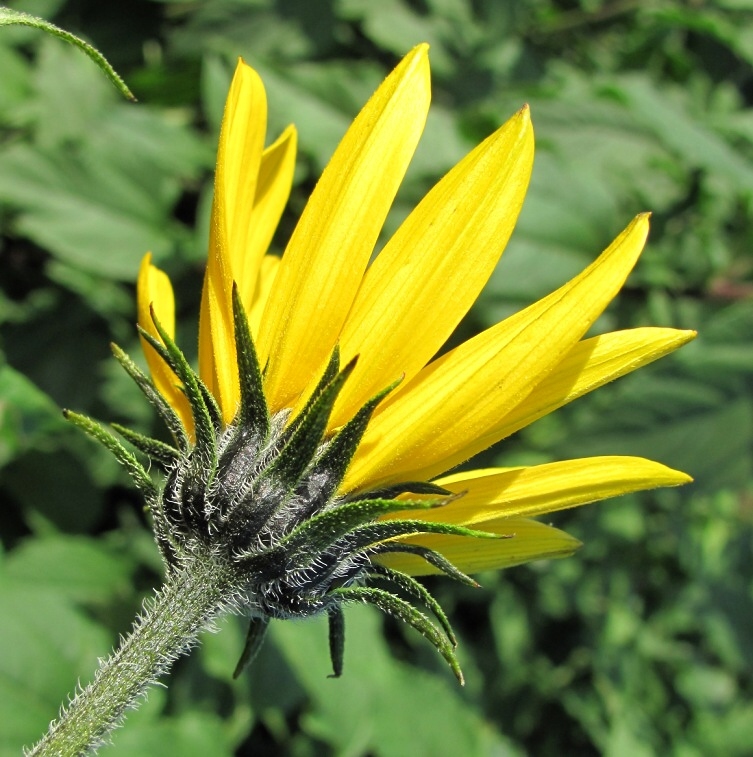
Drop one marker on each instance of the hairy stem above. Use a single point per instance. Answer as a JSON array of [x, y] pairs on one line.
[[168, 627]]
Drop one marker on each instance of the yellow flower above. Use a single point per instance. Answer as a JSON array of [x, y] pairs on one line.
[[395, 314]]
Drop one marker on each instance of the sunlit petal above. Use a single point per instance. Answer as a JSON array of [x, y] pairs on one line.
[[270, 265], [324, 262], [272, 193], [239, 158], [529, 540], [239, 161], [589, 365], [154, 290], [546, 488], [433, 269], [447, 411]]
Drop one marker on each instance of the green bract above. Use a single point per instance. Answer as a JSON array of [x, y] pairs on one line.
[[259, 498]]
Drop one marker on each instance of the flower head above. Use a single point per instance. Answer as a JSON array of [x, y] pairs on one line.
[[308, 444]]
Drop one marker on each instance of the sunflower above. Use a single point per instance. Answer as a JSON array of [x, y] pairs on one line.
[[309, 446]]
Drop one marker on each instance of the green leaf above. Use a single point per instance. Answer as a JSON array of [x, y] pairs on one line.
[[190, 734], [76, 568], [27, 415], [60, 211], [378, 702], [16, 83], [664, 114], [48, 644]]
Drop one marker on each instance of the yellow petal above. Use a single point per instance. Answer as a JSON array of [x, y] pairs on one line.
[[153, 289], [217, 359], [331, 245], [433, 269], [250, 190], [545, 488], [529, 540], [589, 365], [445, 414], [272, 193], [270, 264], [239, 161]]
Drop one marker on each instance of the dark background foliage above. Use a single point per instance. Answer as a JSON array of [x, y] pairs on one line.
[[641, 643]]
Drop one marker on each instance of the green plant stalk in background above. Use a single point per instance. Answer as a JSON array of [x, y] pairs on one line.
[[10, 17]]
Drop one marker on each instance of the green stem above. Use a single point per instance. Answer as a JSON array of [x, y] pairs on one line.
[[169, 626], [9, 16]]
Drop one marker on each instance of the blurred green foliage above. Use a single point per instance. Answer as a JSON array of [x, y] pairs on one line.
[[639, 645]]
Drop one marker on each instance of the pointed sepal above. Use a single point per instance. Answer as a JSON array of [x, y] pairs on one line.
[[296, 456], [408, 585], [254, 412], [172, 355], [336, 620], [404, 611], [434, 558], [404, 487], [257, 631], [329, 375], [373, 534], [317, 534], [165, 410], [334, 461], [134, 468], [153, 448]]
